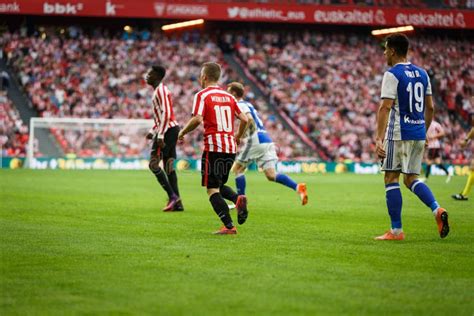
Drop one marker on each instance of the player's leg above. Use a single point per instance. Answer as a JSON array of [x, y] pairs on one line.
[[169, 156], [174, 202], [391, 165], [228, 193], [281, 178], [413, 153], [429, 163], [394, 201], [239, 169], [470, 181], [155, 168], [222, 210], [241, 162], [268, 163], [211, 179], [240, 201], [467, 188], [431, 155], [439, 163]]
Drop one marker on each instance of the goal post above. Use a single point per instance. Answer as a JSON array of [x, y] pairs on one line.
[[87, 138]]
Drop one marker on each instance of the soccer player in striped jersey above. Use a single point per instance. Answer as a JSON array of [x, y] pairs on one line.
[[404, 116], [434, 134], [164, 136], [260, 148], [217, 109]]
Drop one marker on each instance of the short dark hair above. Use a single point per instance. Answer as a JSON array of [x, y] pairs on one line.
[[159, 70], [237, 88], [399, 43], [212, 71]]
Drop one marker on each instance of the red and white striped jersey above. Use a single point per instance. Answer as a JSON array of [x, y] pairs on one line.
[[163, 110], [218, 109], [435, 129]]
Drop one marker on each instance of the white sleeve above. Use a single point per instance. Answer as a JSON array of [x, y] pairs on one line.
[[389, 86], [428, 88], [243, 107], [198, 104]]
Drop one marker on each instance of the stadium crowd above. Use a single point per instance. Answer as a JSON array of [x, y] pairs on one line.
[[329, 84], [101, 76], [13, 132]]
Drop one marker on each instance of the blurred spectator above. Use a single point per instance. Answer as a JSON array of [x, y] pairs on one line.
[[4, 80]]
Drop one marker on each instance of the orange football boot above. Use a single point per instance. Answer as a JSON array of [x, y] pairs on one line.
[[301, 189], [442, 221], [226, 231], [391, 236]]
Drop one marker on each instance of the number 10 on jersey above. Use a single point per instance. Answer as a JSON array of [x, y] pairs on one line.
[[223, 118]]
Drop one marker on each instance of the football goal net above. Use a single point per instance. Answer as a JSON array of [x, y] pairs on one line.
[[85, 140]]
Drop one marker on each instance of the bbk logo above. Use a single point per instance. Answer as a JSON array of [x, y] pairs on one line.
[[58, 8]]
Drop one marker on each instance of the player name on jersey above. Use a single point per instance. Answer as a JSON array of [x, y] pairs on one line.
[[221, 99], [412, 74]]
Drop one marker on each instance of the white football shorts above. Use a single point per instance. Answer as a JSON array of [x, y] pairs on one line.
[[264, 154], [405, 156]]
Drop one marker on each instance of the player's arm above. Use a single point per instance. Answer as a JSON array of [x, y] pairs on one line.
[[165, 116], [244, 123], [245, 109], [252, 126], [388, 95], [441, 132], [382, 120], [192, 124], [151, 132]]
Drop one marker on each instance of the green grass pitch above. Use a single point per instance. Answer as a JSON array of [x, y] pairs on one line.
[[94, 242]]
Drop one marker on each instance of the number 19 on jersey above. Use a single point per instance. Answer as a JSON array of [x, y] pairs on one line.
[[416, 92]]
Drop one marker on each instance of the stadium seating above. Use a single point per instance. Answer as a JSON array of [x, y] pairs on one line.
[[13, 132], [102, 77], [329, 84]]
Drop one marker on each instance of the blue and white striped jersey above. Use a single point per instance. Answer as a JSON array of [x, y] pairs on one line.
[[260, 135]]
